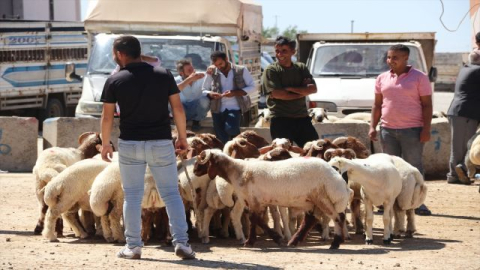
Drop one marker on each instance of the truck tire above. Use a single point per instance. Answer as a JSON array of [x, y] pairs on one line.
[[54, 108]]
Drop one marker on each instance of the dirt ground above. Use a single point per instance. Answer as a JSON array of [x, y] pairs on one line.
[[449, 239]]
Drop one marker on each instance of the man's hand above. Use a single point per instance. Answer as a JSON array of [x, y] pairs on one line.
[[210, 70], [227, 93], [181, 146], [214, 95], [425, 135], [195, 76], [107, 152], [307, 81], [372, 134]]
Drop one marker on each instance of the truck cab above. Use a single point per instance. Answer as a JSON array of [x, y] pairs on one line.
[[168, 49], [345, 67]]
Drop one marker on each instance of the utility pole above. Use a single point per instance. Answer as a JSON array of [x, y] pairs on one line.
[[276, 26], [50, 7], [352, 26]]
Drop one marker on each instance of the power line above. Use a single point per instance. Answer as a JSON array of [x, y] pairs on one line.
[[443, 10]]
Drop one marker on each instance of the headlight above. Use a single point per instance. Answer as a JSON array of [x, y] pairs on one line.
[[96, 107], [330, 106]]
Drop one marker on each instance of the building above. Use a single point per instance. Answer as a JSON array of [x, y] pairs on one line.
[[44, 10]]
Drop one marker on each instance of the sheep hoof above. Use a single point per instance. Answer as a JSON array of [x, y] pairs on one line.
[[337, 240], [242, 241], [38, 230], [396, 236], [387, 241], [369, 242], [248, 243], [205, 240], [409, 234], [55, 240], [391, 237]]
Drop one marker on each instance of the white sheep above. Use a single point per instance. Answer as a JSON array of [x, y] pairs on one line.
[[298, 183], [412, 196], [54, 160], [381, 184], [362, 116], [264, 119], [68, 192], [318, 115]]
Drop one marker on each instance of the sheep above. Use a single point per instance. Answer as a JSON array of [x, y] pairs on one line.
[[211, 140], [413, 194], [318, 148], [53, 161], [220, 193], [253, 138], [264, 119], [67, 192], [352, 143], [472, 157], [318, 115], [282, 143], [439, 114], [299, 183], [365, 117], [381, 184]]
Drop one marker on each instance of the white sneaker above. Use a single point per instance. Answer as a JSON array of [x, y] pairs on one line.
[[184, 251], [130, 253]]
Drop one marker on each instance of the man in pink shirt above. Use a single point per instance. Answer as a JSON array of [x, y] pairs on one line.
[[403, 103]]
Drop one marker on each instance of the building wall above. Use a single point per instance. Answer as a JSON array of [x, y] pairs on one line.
[[36, 10], [67, 10], [63, 10]]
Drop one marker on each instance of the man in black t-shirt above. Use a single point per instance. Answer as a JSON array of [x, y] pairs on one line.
[[143, 92]]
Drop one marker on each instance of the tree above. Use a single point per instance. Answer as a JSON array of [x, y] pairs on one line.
[[270, 32], [292, 31]]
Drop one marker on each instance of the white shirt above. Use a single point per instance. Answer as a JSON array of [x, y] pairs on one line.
[[229, 103], [190, 92]]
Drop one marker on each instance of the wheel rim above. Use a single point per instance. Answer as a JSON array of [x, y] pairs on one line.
[[55, 111]]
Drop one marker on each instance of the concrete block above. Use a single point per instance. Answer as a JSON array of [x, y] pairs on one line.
[[332, 131], [18, 143], [64, 131], [436, 152]]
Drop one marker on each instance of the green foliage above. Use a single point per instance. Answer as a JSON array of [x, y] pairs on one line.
[[291, 32]]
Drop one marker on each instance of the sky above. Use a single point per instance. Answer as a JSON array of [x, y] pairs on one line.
[[335, 16]]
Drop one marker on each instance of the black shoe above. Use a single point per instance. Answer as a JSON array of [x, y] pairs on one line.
[[196, 125], [423, 211]]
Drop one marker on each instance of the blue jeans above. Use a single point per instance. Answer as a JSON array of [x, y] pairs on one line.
[[226, 124], [160, 157], [404, 143], [197, 110]]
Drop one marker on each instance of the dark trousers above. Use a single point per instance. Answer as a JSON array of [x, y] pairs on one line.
[[226, 124], [298, 130], [462, 129]]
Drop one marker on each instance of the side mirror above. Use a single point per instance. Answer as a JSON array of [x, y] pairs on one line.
[[432, 75], [70, 74]]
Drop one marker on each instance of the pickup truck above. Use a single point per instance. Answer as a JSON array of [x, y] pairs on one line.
[[345, 66]]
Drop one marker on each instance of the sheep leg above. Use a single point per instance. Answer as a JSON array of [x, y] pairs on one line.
[[276, 219], [147, 218], [356, 216], [98, 226], [207, 217], [286, 226], [252, 237], [116, 230], [48, 230], [399, 226], [59, 227], [340, 225], [160, 220], [410, 223], [71, 217], [225, 223], [245, 223], [308, 223], [272, 233], [368, 222], [107, 231], [387, 222], [236, 215], [88, 222], [41, 220], [324, 228]]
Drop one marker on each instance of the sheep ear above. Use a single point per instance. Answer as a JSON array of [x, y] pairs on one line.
[[265, 149], [297, 150], [99, 148], [212, 170]]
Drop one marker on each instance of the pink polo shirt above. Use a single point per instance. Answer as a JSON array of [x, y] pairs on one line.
[[401, 107]]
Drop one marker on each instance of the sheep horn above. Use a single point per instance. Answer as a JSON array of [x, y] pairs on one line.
[[328, 154], [83, 136], [205, 159], [351, 152], [241, 143], [316, 146]]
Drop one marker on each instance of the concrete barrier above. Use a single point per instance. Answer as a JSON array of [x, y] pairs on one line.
[[64, 131], [436, 152], [18, 143], [332, 131]]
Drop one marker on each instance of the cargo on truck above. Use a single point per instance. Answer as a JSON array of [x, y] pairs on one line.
[[32, 62], [346, 65], [172, 30]]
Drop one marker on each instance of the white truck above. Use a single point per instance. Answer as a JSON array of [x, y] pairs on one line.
[[32, 59], [345, 66], [171, 30]]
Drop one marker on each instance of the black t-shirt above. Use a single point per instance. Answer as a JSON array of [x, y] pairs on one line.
[[142, 93]]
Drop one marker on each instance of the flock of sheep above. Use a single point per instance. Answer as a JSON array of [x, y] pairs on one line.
[[241, 183]]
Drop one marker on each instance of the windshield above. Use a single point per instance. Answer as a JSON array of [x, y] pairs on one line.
[[169, 51], [357, 60]]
